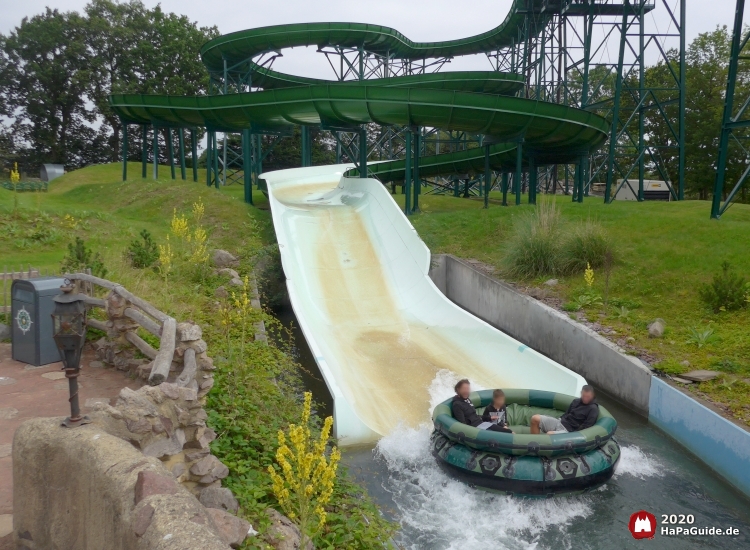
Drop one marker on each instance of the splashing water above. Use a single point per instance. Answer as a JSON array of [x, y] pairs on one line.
[[441, 513], [634, 462]]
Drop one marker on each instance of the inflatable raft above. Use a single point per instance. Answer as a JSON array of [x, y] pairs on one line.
[[522, 463]]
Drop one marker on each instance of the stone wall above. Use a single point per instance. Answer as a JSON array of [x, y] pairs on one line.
[[87, 489]]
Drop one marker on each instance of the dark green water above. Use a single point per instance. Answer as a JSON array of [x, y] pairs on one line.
[[437, 512]]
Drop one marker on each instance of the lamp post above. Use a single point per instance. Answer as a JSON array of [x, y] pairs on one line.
[[69, 332]]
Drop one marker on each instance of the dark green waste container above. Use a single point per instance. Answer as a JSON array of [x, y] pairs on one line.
[[32, 304]]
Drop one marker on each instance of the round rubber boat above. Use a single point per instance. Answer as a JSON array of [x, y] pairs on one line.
[[521, 463]]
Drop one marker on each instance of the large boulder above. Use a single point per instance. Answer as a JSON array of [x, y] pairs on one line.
[[220, 498], [283, 534], [4, 332], [222, 258], [231, 529], [656, 329]]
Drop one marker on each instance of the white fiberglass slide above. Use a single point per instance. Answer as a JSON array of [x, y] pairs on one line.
[[379, 329]]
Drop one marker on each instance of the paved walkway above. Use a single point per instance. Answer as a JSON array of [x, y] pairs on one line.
[[30, 392]]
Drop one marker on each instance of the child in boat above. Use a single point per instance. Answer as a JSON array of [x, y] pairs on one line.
[[496, 414], [464, 411]]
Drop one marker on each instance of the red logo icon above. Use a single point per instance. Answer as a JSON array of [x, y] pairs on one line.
[[642, 525]]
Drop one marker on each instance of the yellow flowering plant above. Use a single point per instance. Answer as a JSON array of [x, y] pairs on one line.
[[15, 176], [179, 226], [588, 275], [165, 259], [243, 308], [304, 476]]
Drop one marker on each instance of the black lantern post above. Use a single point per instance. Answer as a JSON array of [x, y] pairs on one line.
[[69, 326]]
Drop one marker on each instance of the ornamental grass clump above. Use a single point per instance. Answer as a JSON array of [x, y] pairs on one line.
[[304, 477], [534, 249]]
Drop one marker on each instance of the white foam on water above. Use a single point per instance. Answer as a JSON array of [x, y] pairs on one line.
[[441, 513], [634, 462]]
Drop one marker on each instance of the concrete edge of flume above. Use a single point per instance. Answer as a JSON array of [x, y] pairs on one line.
[[722, 445]]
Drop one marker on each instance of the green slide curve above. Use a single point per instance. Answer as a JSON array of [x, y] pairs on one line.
[[479, 102]]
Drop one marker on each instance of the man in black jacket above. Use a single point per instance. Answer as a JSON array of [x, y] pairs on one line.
[[464, 410], [581, 414]]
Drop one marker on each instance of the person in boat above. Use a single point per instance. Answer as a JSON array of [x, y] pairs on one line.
[[465, 412], [496, 413], [581, 414]]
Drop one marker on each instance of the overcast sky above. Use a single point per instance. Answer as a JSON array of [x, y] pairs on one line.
[[420, 20]]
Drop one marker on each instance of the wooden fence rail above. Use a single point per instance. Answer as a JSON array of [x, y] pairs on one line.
[[144, 315], [8, 277]]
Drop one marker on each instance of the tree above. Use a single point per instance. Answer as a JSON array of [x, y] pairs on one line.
[[140, 51], [62, 67], [47, 72]]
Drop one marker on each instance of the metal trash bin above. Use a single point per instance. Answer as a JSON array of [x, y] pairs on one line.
[[31, 318]]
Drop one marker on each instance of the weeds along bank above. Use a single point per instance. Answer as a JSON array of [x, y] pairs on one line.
[[649, 261], [157, 239]]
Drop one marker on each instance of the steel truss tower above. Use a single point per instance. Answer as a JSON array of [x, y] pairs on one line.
[[735, 122], [590, 54]]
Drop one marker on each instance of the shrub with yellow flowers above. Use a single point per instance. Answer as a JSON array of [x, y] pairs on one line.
[[165, 259], [15, 176], [179, 226], [304, 476], [588, 275]]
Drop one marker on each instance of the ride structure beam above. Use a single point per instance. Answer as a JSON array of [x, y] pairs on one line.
[[730, 120]]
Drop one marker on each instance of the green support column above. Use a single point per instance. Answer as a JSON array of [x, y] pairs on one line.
[[456, 190], [363, 152], [466, 188], [721, 165], [259, 159], [209, 159], [533, 181], [616, 110], [306, 146], [144, 150], [194, 147], [417, 181], [156, 152], [247, 165], [215, 158], [683, 93], [519, 171], [124, 152], [181, 136], [487, 176], [505, 188], [338, 147], [170, 152], [407, 173]]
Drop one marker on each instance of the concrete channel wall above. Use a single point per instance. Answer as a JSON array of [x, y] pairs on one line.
[[722, 445], [544, 329]]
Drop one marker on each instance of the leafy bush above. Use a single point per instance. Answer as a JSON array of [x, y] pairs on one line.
[[585, 245], [727, 292], [79, 258], [143, 252], [534, 249]]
